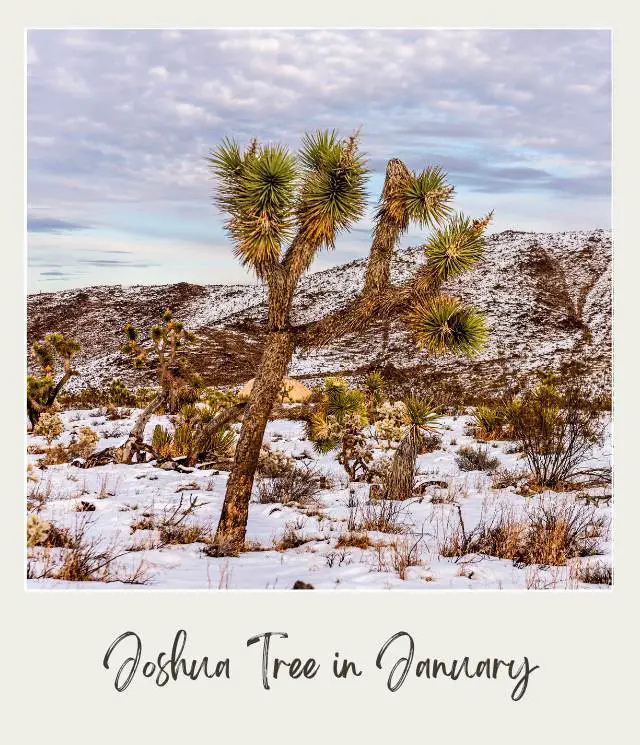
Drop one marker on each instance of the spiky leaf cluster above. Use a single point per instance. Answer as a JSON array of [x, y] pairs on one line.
[[55, 348], [420, 413], [332, 193], [422, 198], [256, 190], [271, 195], [442, 325], [192, 438], [455, 247]]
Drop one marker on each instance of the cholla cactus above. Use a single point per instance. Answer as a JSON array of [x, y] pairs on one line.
[[391, 424], [37, 530], [56, 351], [274, 462], [84, 444], [49, 426]]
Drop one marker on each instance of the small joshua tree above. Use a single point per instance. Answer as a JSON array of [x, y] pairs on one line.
[[55, 352], [374, 388], [282, 208], [338, 423], [419, 417], [169, 339]]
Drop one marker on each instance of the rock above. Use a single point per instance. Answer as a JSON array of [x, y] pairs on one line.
[[300, 585], [85, 507]]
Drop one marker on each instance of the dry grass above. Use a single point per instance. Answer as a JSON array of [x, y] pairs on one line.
[[176, 524], [171, 535], [354, 540], [598, 573], [383, 516], [547, 532], [399, 555], [83, 559], [292, 537]]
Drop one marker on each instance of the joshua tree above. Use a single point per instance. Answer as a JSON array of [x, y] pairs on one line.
[[282, 208], [169, 339], [55, 351], [419, 417]]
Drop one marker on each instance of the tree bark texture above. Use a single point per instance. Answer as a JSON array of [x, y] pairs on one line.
[[230, 535]]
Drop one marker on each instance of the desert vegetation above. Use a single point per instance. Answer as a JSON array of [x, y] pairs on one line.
[[365, 479]]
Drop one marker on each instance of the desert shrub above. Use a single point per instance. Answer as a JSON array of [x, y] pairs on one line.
[[300, 485], [49, 426], [384, 516], [118, 394], [161, 440], [405, 553], [556, 427], [171, 535], [87, 397], [548, 532], [193, 438], [274, 463], [429, 443], [598, 573], [81, 445], [37, 530], [475, 459], [176, 524], [506, 478], [291, 537], [82, 559]]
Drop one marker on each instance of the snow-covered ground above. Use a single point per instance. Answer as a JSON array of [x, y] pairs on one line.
[[124, 495]]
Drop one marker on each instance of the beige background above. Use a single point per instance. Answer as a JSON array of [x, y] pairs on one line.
[[55, 689]]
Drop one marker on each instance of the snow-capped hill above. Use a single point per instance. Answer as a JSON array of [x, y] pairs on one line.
[[546, 296]]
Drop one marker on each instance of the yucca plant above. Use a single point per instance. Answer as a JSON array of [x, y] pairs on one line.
[[489, 422], [281, 208], [198, 436], [54, 353], [419, 417]]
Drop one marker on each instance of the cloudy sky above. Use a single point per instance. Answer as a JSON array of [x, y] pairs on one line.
[[119, 123]]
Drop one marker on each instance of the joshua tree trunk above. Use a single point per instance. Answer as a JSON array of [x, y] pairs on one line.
[[399, 484], [136, 436], [230, 535]]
